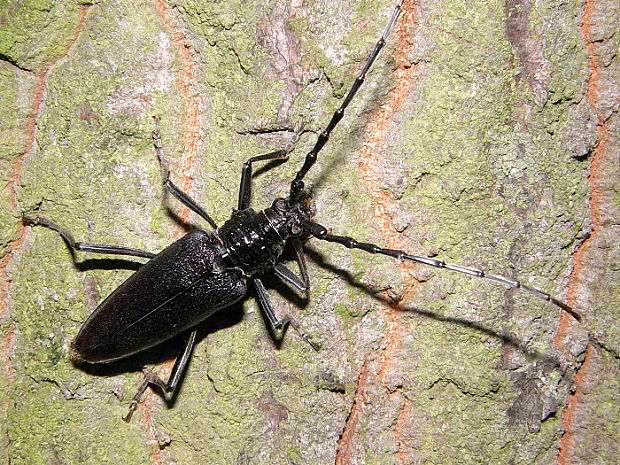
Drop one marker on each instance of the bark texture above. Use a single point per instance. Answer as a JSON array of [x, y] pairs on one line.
[[487, 134]]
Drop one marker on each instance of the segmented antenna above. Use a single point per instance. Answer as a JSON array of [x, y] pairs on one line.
[[297, 183], [320, 232]]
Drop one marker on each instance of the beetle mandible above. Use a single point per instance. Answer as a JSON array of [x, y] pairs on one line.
[[204, 272]]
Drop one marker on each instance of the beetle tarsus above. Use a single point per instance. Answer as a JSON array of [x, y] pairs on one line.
[[293, 323], [136, 398]]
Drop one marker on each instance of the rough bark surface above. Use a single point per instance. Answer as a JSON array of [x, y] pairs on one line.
[[487, 134]]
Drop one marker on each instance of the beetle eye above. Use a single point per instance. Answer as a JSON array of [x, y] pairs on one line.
[[295, 229]]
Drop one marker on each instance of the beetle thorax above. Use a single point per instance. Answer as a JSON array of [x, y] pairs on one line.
[[254, 241]]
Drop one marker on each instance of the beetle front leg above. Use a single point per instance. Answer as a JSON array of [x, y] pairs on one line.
[[300, 284], [245, 185], [167, 387], [290, 278], [86, 246]]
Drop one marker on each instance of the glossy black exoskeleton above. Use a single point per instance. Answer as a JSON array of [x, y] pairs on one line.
[[204, 272], [188, 281]]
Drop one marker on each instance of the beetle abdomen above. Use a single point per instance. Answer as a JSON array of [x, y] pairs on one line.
[[185, 283]]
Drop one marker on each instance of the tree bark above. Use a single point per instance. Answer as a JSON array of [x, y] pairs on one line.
[[485, 135]]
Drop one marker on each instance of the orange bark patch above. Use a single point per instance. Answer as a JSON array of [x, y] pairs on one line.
[[190, 139], [375, 138], [186, 82], [599, 156], [12, 183]]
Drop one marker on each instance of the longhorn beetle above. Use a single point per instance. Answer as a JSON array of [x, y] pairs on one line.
[[204, 272]]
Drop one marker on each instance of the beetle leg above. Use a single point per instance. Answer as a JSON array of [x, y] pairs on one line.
[[289, 277], [169, 185], [176, 374], [86, 246], [301, 260], [245, 186], [276, 323], [300, 284]]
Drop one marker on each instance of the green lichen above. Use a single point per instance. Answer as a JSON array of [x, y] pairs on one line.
[[465, 139], [485, 182], [36, 32], [16, 89], [92, 157], [342, 310]]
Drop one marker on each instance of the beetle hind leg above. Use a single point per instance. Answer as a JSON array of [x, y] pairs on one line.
[[169, 387]]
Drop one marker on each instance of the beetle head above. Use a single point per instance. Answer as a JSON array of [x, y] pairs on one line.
[[295, 211]]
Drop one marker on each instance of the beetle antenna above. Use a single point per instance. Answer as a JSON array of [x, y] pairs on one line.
[[297, 183], [320, 232]]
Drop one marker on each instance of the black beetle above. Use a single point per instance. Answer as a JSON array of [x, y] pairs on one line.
[[204, 272]]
